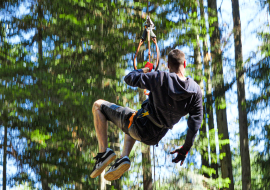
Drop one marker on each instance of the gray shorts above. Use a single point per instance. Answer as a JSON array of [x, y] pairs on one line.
[[120, 117]]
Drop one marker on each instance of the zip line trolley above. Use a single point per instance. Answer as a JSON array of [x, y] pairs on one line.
[[147, 34]]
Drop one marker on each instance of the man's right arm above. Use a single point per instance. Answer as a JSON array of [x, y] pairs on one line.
[[142, 78]]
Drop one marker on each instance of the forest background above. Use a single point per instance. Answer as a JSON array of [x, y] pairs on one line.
[[58, 57]]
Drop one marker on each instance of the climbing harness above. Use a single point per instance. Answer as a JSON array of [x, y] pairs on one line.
[[147, 34], [131, 119], [146, 114]]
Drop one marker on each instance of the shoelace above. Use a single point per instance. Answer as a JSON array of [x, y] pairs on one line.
[[113, 166], [97, 157]]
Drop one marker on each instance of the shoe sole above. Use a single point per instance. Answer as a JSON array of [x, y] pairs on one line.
[[117, 173], [100, 170]]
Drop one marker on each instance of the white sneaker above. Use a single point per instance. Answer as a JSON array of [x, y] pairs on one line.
[[103, 160], [120, 166]]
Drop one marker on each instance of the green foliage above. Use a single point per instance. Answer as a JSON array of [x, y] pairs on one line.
[[39, 138], [202, 147], [79, 53]]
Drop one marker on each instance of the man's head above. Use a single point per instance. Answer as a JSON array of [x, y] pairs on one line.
[[176, 61]]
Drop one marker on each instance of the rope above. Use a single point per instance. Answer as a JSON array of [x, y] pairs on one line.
[[154, 165], [148, 37], [149, 61], [147, 8]]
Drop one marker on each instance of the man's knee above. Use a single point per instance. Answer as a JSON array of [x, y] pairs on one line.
[[97, 104]]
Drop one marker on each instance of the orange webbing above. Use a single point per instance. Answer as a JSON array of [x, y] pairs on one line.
[[131, 119]]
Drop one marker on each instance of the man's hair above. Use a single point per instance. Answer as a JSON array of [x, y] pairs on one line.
[[176, 58]]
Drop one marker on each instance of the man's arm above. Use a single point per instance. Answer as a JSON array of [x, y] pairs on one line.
[[142, 78], [194, 121], [194, 124]]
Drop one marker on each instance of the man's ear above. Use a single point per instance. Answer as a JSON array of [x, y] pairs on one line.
[[185, 64]]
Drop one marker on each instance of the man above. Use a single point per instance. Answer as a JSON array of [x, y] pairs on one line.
[[172, 96]]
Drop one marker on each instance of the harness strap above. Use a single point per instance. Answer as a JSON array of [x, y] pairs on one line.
[[146, 113], [131, 119]]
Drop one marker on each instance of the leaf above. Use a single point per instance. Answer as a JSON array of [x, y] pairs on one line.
[[39, 138]]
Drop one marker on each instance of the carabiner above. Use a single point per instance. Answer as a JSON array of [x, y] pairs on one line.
[[147, 33]]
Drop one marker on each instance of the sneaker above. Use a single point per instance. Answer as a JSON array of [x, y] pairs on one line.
[[103, 160], [120, 166]]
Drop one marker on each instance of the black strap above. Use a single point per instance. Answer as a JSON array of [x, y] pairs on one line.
[[153, 121]]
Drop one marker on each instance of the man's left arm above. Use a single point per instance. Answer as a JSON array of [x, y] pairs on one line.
[[194, 124]]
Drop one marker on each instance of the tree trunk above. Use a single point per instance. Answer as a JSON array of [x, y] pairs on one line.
[[209, 100], [209, 110], [243, 124], [102, 181], [44, 172], [5, 153], [198, 62], [220, 102], [40, 17], [147, 170], [44, 178], [205, 156], [4, 119], [199, 80]]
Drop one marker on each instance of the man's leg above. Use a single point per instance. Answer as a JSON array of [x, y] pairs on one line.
[[118, 115], [123, 163], [101, 126], [128, 145], [106, 155]]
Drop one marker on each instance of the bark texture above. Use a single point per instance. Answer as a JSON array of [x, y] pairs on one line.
[[43, 171], [199, 80], [147, 170], [243, 124], [5, 122], [208, 107], [218, 84]]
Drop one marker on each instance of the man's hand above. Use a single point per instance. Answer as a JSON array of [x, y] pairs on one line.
[[181, 155], [149, 65]]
